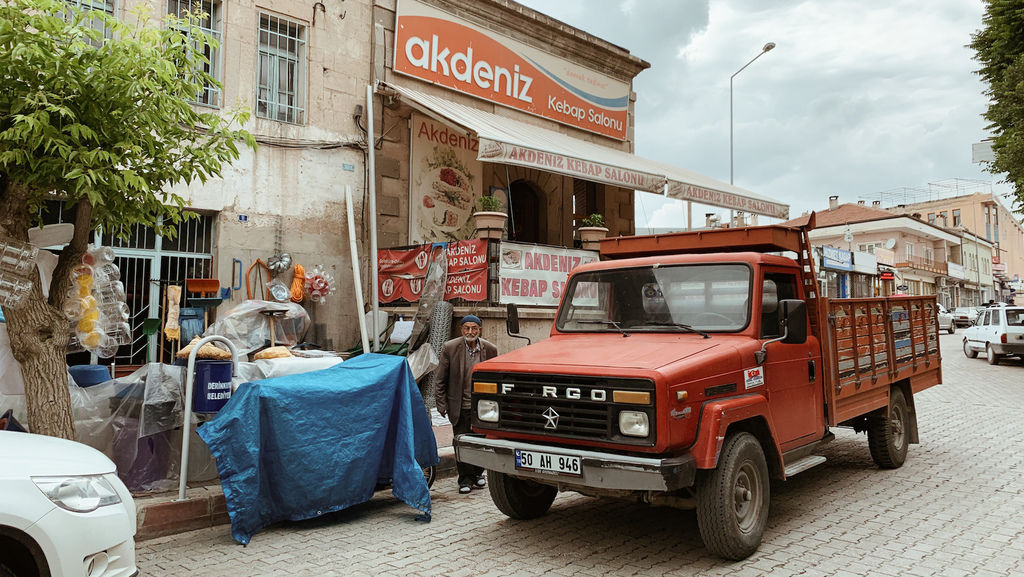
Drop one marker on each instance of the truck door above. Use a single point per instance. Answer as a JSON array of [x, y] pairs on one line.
[[792, 371]]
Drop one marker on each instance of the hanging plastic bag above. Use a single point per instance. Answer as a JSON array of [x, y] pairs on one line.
[[422, 361]]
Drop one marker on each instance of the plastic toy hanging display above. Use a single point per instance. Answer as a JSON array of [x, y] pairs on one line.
[[95, 305], [319, 284], [17, 264]]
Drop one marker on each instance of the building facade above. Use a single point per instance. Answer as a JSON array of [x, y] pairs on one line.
[[985, 216], [418, 108]]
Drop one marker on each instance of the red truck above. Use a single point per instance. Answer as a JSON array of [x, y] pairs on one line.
[[688, 369]]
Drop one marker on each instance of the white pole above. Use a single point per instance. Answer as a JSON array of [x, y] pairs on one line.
[[372, 186], [355, 268]]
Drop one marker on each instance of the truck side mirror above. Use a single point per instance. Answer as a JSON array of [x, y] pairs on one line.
[[512, 319], [794, 314], [512, 322]]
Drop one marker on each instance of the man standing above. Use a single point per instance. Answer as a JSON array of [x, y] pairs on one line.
[[453, 379]]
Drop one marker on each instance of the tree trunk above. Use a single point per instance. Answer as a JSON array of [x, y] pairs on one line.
[[38, 330]]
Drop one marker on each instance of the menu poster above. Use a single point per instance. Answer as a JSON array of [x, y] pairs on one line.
[[444, 180], [536, 275], [401, 272]]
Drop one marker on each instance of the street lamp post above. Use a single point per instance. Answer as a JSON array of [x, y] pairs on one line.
[[766, 48]]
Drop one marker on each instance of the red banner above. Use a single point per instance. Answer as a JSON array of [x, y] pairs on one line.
[[401, 273]]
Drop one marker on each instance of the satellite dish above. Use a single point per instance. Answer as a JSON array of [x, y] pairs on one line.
[[889, 244]]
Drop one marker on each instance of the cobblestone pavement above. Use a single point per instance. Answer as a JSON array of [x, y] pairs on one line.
[[955, 508]]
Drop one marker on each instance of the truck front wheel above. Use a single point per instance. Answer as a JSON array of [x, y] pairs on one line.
[[887, 436], [518, 498], [732, 499]]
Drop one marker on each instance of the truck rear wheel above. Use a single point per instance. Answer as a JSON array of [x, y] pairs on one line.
[[887, 436], [732, 499], [518, 498]]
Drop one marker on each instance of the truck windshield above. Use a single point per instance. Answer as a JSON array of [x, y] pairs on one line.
[[677, 298]]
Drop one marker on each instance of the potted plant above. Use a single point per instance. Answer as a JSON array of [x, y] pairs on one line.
[[592, 231], [490, 220]]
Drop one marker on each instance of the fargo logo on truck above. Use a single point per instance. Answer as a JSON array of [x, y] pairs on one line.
[[571, 393], [443, 49]]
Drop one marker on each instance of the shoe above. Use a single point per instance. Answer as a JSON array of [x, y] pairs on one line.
[[464, 489], [480, 483]]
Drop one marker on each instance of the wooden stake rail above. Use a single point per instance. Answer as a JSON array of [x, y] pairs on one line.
[[877, 342]]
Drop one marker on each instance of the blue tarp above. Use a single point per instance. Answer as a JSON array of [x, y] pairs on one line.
[[300, 446]]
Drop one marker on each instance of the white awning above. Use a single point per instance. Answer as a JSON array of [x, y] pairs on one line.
[[509, 141]]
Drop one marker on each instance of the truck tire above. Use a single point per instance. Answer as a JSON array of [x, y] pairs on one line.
[[887, 436], [520, 499], [732, 499], [991, 356], [968, 351], [952, 329]]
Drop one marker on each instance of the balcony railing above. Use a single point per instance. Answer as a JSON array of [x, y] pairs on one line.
[[923, 264]]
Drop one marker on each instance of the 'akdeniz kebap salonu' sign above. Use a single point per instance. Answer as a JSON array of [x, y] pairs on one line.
[[443, 49]]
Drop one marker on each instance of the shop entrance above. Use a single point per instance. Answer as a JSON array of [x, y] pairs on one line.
[[526, 221]]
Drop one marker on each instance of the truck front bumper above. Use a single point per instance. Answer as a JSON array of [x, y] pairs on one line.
[[598, 469]]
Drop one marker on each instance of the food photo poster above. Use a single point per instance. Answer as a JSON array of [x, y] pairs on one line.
[[445, 181]]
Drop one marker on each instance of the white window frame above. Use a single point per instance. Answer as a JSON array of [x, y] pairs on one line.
[[107, 6], [212, 25], [909, 248], [269, 95]]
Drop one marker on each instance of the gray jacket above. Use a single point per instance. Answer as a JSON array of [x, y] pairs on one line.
[[451, 377]]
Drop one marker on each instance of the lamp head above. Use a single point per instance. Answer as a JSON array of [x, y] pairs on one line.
[[768, 47]]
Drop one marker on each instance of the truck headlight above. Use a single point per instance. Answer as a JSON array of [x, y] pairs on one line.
[[80, 494], [634, 423], [487, 411]]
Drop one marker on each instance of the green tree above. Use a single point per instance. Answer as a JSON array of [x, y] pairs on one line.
[[96, 112], [999, 47]]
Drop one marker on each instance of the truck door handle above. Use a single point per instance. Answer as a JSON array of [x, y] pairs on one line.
[[810, 371]]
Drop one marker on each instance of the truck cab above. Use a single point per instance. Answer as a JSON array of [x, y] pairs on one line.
[[686, 371]]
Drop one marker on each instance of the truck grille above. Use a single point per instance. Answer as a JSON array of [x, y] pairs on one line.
[[571, 407]]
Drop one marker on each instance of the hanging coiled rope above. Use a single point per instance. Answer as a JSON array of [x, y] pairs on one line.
[[298, 284]]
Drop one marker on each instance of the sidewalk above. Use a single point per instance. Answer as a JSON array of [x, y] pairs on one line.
[[161, 514]]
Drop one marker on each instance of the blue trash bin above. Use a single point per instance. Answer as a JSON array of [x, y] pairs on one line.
[[89, 375], [211, 385]]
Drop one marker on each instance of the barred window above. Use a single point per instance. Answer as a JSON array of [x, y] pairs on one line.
[[282, 52], [94, 6], [210, 23]]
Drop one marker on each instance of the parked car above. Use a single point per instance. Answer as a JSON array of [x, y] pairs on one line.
[[63, 511], [946, 320], [964, 316], [998, 332]]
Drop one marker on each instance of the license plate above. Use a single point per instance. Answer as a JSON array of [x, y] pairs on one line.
[[537, 461]]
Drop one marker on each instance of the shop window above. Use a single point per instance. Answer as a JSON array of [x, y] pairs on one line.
[[525, 218], [282, 71], [584, 199], [210, 24]]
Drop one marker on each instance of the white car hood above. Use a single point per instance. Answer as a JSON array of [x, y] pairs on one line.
[[39, 455]]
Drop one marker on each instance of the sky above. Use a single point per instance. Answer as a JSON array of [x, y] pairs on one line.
[[878, 103]]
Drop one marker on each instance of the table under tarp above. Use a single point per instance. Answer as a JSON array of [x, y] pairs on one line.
[[300, 446]]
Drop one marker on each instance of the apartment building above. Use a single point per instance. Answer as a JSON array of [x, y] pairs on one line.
[[987, 217], [910, 256]]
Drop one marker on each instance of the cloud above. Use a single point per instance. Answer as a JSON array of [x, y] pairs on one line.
[[852, 100]]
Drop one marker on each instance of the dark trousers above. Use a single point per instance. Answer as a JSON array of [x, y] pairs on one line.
[[467, 473]]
